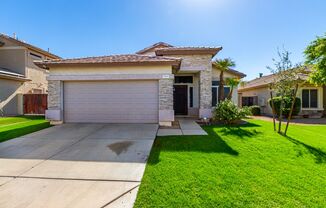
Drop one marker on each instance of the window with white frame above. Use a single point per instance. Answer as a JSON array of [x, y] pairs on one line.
[[309, 98]]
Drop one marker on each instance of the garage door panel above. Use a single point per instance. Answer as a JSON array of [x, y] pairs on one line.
[[111, 102]]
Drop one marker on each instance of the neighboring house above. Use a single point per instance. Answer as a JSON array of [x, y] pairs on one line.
[[18, 74], [256, 92], [151, 86]]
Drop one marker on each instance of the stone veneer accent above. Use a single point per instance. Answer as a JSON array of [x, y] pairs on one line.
[[166, 94], [205, 88], [194, 62], [54, 95], [205, 93], [54, 112], [166, 112]]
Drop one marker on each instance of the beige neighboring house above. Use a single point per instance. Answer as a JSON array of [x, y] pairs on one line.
[[18, 74], [151, 86], [256, 92]]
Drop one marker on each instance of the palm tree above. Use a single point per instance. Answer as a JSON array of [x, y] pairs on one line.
[[232, 82], [223, 65]]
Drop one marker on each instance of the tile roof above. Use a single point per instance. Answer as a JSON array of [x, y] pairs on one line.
[[127, 59], [268, 79], [156, 45], [240, 74], [188, 50], [235, 72], [27, 45], [258, 82]]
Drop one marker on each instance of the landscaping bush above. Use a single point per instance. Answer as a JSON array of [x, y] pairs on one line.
[[228, 113], [255, 110], [287, 105]]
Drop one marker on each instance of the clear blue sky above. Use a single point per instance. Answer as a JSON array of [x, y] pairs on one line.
[[250, 31]]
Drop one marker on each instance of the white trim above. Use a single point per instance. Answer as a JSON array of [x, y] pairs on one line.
[[319, 98], [188, 89]]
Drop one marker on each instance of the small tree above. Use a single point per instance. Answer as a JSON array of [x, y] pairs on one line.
[[316, 56], [223, 65], [233, 83], [285, 84]]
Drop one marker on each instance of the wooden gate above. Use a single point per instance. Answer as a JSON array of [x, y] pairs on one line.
[[35, 103]]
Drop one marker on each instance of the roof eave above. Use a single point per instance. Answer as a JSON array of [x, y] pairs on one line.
[[173, 63], [31, 47], [142, 51], [16, 78], [193, 51]]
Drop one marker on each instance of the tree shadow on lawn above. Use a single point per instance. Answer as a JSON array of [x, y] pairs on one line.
[[212, 143], [239, 130], [320, 156]]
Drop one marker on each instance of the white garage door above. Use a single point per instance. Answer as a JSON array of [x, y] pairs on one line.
[[111, 102]]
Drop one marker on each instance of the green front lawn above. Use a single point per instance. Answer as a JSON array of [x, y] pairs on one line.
[[12, 127], [245, 166]]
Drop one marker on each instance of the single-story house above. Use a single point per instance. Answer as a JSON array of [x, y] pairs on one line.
[[18, 74], [151, 86], [256, 92]]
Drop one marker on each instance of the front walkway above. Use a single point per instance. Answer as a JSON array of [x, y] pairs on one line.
[[75, 165], [187, 127]]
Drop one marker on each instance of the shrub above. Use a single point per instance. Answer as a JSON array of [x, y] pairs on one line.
[[287, 105], [227, 112], [255, 110]]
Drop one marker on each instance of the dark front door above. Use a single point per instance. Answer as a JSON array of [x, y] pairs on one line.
[[180, 97]]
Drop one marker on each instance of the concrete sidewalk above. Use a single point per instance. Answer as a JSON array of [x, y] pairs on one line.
[[187, 127], [75, 165]]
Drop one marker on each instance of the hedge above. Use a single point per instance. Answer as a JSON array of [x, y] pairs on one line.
[[287, 105], [255, 110]]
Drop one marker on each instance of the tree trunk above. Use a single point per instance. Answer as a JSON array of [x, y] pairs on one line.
[[280, 116], [292, 106], [273, 108], [230, 94], [221, 87]]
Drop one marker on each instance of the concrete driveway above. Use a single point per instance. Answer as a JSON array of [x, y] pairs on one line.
[[75, 165]]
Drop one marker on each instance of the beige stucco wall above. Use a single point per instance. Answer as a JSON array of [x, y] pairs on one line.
[[19, 59], [38, 83], [10, 93], [13, 59], [264, 94], [100, 70]]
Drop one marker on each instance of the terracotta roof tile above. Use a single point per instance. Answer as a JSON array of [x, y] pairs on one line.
[[268, 79], [188, 50], [113, 59], [156, 45]]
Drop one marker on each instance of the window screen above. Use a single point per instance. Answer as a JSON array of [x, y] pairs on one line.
[[305, 98], [313, 98], [214, 96]]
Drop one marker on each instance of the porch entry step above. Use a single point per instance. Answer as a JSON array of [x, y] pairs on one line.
[[187, 127]]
